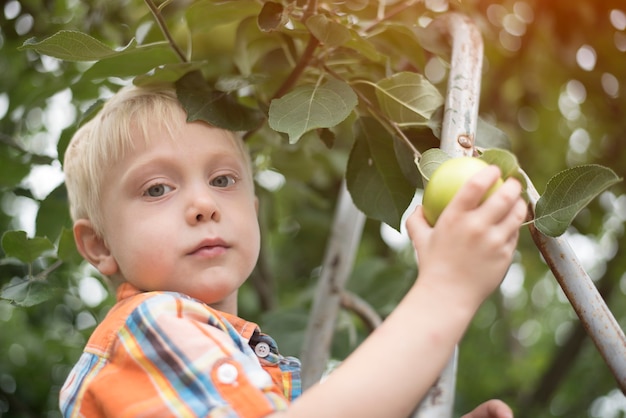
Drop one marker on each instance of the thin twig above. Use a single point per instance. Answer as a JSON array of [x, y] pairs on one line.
[[306, 57], [42, 275], [165, 4], [352, 302], [395, 11], [311, 7], [156, 12]]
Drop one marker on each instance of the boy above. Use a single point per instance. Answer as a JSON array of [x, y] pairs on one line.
[[167, 210]]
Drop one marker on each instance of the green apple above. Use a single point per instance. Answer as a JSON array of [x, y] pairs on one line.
[[446, 181]]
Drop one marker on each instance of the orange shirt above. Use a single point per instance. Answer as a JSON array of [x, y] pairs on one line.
[[165, 354]]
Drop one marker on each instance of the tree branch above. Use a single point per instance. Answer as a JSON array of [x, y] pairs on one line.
[[306, 57], [353, 303], [43, 275], [338, 261], [399, 8], [156, 12], [566, 355]]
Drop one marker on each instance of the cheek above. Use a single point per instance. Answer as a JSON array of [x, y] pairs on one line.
[[254, 239], [144, 262], [140, 248]]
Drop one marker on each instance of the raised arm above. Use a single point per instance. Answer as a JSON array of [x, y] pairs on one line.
[[461, 261]]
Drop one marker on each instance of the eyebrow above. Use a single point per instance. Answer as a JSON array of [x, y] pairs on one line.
[[133, 177], [165, 162]]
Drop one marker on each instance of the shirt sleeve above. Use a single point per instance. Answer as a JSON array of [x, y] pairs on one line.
[[176, 357]]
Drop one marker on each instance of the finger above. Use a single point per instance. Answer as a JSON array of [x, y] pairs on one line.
[[493, 408], [471, 194], [498, 409], [513, 221], [511, 241], [499, 206], [517, 215]]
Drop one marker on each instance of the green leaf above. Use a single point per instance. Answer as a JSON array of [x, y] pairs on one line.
[[26, 293], [53, 214], [311, 107], [167, 73], [408, 99], [429, 161], [432, 39], [356, 4], [206, 14], [230, 83], [394, 39], [251, 44], [71, 45], [489, 136], [328, 32], [436, 121], [364, 47], [505, 160], [374, 178], [214, 107], [132, 61], [17, 244], [67, 247], [13, 167], [567, 193], [508, 164], [406, 160]]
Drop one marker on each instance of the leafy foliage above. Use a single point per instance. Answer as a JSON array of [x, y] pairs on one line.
[[405, 98], [348, 90]]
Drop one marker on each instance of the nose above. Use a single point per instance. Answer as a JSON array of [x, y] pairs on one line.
[[202, 207]]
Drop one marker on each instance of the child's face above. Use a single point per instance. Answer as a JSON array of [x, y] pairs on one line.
[[181, 215]]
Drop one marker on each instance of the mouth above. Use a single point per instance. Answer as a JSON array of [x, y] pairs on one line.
[[210, 248]]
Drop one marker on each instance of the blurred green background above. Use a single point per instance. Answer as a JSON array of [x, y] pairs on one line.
[[554, 81]]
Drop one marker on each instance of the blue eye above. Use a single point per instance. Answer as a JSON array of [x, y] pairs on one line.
[[157, 190], [223, 181]]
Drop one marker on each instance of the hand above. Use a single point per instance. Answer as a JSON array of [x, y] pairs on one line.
[[493, 408], [472, 244]]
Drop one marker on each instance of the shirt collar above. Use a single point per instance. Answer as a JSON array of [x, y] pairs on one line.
[[243, 327]]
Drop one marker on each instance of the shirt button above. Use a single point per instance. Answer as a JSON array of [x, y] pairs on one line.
[[262, 349], [227, 373]]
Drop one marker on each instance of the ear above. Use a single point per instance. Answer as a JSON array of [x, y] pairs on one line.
[[93, 248]]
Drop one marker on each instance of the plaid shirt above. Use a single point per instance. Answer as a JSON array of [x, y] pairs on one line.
[[164, 354]]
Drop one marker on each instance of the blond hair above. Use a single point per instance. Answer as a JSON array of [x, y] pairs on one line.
[[108, 137]]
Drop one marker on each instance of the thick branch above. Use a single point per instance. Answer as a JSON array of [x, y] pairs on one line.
[[568, 352], [585, 298], [338, 260], [458, 133]]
